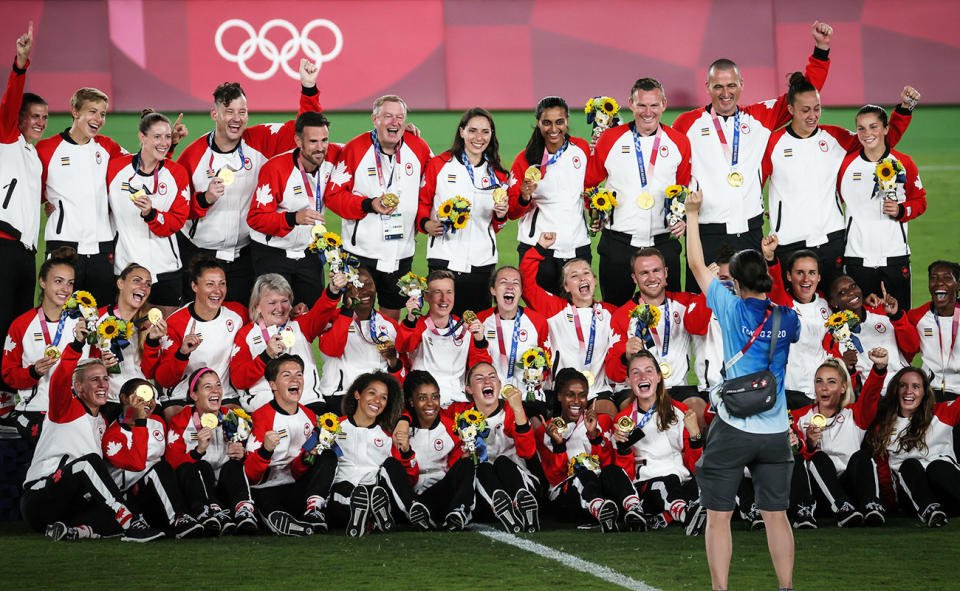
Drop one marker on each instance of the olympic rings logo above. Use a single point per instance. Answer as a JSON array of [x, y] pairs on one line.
[[279, 58]]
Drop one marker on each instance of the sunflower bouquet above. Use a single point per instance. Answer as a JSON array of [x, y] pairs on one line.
[[674, 205], [583, 461], [844, 326], [601, 203], [644, 318], [602, 112], [114, 334], [82, 304], [887, 175], [324, 437], [237, 425], [330, 247], [412, 285], [534, 362], [454, 214], [471, 428]]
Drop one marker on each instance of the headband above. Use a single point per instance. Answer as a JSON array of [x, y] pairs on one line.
[[196, 378]]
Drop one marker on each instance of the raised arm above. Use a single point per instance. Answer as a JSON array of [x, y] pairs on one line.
[[695, 258]]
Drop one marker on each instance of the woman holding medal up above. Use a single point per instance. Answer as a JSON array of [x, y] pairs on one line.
[[147, 206], [28, 362], [463, 204], [546, 192], [273, 330]]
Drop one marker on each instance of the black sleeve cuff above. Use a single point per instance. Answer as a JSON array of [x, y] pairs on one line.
[[263, 453], [196, 455], [202, 200], [367, 205], [597, 441], [559, 448], [543, 251], [151, 342], [523, 428], [900, 211], [821, 54], [423, 225], [903, 111], [34, 374], [17, 70], [483, 344], [309, 90], [410, 322], [880, 371], [398, 365], [773, 262], [181, 356], [696, 443], [264, 356], [140, 423], [77, 346], [407, 454], [623, 358], [291, 218], [151, 215], [348, 312], [896, 316]]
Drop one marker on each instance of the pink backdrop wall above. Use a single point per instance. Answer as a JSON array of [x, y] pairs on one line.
[[454, 54]]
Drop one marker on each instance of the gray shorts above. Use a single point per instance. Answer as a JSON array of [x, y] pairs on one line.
[[725, 454]]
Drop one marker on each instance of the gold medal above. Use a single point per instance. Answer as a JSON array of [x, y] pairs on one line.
[[533, 174], [288, 338], [146, 393], [507, 390], [227, 175], [589, 375], [390, 200], [735, 179], [645, 200], [384, 345], [51, 352], [154, 315], [625, 425], [317, 231], [666, 369], [469, 317], [560, 424], [818, 421], [138, 193], [499, 195], [209, 420]]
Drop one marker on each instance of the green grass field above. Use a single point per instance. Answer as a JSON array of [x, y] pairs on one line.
[[899, 556]]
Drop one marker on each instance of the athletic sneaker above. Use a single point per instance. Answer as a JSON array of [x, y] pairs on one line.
[[933, 516], [316, 519], [634, 520], [657, 521], [607, 515], [874, 515], [804, 518], [208, 518], [284, 524], [227, 524], [696, 519], [245, 520], [359, 509], [754, 519], [140, 531], [380, 508], [455, 521], [58, 531], [503, 509], [528, 509], [185, 526], [848, 516], [420, 516]]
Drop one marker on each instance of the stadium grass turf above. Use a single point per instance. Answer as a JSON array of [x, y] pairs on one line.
[[900, 556]]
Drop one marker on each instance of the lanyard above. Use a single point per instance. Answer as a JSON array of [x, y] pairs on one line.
[[639, 152], [753, 337], [376, 153], [593, 332], [372, 328], [547, 159], [63, 319], [512, 359], [643, 420], [316, 194], [735, 155], [575, 425], [665, 345], [243, 161], [451, 327], [944, 359], [136, 169], [266, 333], [493, 177]]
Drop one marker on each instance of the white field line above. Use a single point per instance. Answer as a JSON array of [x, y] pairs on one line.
[[578, 564]]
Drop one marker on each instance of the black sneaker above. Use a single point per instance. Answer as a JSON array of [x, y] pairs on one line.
[[284, 524], [246, 521], [528, 509], [317, 520], [380, 508], [455, 521], [58, 531], [420, 516], [657, 521], [185, 526], [359, 509], [607, 516], [208, 519], [932, 516], [503, 509], [696, 519], [804, 518], [874, 515], [848, 516], [754, 519], [634, 520], [227, 524], [140, 531]]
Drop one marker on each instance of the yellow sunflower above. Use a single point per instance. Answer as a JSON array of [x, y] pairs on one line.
[[331, 240], [446, 208], [329, 422], [108, 329], [589, 108], [673, 190], [610, 106], [836, 320], [461, 221], [85, 299], [886, 171], [529, 358], [602, 201], [242, 414], [128, 330], [472, 416]]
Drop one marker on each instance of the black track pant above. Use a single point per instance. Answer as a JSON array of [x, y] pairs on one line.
[[858, 484], [201, 487], [292, 497], [939, 482]]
